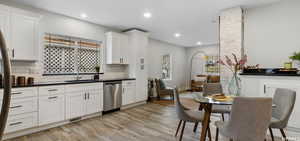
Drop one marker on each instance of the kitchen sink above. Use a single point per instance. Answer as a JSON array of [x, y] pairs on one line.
[[84, 80]]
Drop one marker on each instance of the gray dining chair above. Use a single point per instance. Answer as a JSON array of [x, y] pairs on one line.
[[284, 101], [210, 89], [249, 119], [186, 115]]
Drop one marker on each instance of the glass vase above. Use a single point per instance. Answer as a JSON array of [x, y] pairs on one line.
[[234, 86]]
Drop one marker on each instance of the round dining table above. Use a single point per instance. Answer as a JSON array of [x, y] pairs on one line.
[[206, 104]]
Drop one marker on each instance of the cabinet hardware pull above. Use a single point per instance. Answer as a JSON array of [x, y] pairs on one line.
[[53, 97], [51, 90], [88, 95], [15, 123], [264, 89], [13, 53], [84, 96], [18, 106], [16, 93]]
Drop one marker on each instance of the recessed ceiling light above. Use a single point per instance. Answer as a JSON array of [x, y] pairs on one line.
[[177, 35], [147, 15], [83, 15], [199, 43]]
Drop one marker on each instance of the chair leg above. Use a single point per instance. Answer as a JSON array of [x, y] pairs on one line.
[[195, 126], [283, 134], [223, 118], [178, 127], [217, 134], [209, 133], [182, 130], [271, 133]]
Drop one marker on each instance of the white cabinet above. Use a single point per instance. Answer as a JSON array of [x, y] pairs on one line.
[[268, 87], [83, 99], [93, 102], [116, 48], [75, 104], [138, 66], [128, 92], [24, 36], [23, 109], [51, 104]]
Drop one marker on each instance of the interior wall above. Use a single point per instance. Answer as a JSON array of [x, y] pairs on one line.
[[156, 49], [272, 33]]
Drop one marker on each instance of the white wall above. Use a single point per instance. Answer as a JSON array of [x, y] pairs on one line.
[[272, 33], [178, 56]]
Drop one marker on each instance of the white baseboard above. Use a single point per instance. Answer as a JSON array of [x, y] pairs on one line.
[[133, 105]]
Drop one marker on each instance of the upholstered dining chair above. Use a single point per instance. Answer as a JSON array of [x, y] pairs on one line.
[[186, 115], [284, 100], [162, 89], [210, 89], [249, 119]]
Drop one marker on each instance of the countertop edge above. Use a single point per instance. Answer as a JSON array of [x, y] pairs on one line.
[[281, 75], [70, 83]]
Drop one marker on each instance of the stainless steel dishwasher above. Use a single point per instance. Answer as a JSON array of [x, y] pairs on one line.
[[112, 96]]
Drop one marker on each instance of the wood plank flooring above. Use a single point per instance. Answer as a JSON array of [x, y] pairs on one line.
[[149, 122]]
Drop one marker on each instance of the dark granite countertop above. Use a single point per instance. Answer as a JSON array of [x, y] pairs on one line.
[[73, 82], [272, 74]]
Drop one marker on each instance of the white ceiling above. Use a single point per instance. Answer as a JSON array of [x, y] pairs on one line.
[[192, 18]]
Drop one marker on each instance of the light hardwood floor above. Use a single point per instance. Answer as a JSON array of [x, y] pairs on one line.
[[149, 122]]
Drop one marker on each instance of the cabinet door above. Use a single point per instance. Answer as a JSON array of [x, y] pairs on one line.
[[124, 49], [113, 52], [75, 105], [4, 25], [24, 37], [125, 96], [93, 102], [51, 109]]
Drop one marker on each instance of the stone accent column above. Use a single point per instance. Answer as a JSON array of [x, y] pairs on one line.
[[231, 39]]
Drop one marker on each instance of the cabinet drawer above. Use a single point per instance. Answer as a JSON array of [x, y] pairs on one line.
[[128, 83], [84, 87], [23, 92], [20, 106], [19, 122], [51, 90]]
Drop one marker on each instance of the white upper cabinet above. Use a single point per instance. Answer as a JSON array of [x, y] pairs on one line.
[[24, 36], [116, 48], [20, 29]]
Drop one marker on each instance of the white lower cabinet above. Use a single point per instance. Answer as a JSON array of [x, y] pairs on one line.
[[20, 122], [51, 109], [128, 92], [75, 104], [22, 110], [93, 102], [83, 100]]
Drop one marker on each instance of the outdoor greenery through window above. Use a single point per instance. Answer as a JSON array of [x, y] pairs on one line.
[[67, 55], [166, 67]]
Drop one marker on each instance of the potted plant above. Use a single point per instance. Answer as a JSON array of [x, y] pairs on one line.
[[97, 69], [235, 66], [296, 59]]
